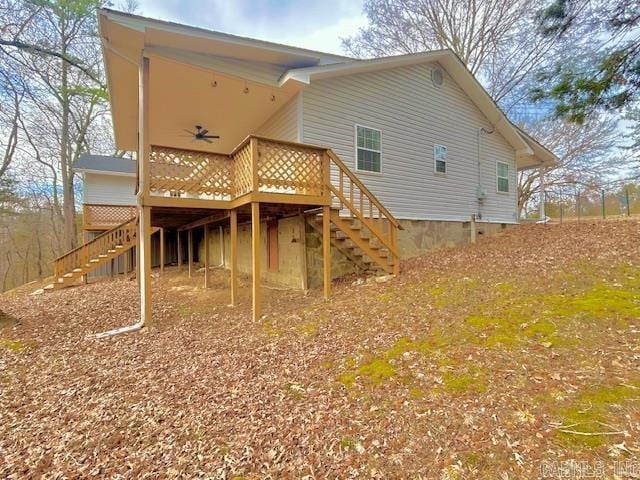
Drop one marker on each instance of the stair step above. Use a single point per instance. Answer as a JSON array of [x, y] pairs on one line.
[[94, 260], [77, 270], [68, 275], [118, 247], [103, 255]]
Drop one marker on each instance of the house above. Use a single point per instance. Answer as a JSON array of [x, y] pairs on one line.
[[294, 165]]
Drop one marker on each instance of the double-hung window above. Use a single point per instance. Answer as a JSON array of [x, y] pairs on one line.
[[368, 149], [502, 172]]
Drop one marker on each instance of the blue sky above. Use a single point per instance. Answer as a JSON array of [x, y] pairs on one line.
[[316, 25]]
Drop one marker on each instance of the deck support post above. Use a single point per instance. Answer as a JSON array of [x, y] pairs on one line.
[[326, 250], [234, 257], [190, 251], [137, 248], [255, 258], [179, 247], [85, 238], [394, 242], [145, 263], [127, 262], [161, 250], [206, 255]]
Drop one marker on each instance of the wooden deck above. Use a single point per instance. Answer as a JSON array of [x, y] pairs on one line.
[[261, 178], [258, 170]]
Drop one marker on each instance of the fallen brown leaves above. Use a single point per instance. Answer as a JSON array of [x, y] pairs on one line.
[[315, 389]]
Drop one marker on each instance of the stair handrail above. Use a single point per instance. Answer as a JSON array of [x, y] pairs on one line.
[[372, 198], [56, 262], [390, 241]]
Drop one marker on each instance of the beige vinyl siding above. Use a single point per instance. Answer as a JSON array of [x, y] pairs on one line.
[[109, 189], [283, 124], [413, 116]]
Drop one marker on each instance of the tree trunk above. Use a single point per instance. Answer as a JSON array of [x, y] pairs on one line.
[[68, 200]]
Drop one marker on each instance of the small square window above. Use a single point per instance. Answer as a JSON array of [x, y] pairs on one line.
[[502, 171], [440, 157], [368, 149]]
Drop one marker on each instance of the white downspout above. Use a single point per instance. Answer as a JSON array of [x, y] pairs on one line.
[[140, 323]]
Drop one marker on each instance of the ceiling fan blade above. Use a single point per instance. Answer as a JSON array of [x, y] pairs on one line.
[[210, 136], [190, 133], [203, 132], [206, 140]]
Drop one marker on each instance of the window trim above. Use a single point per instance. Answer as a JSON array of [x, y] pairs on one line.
[[356, 147], [498, 177], [435, 160]]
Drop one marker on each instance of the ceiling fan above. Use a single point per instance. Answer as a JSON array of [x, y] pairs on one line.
[[201, 134]]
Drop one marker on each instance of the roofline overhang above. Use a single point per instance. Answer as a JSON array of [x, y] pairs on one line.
[[140, 23], [105, 172]]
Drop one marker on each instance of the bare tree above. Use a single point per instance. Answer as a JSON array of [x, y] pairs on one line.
[[585, 154], [62, 76], [11, 96], [496, 39]]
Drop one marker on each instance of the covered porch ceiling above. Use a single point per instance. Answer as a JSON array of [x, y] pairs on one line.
[[183, 96], [185, 64]]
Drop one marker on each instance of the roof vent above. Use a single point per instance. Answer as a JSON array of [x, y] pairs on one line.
[[437, 77]]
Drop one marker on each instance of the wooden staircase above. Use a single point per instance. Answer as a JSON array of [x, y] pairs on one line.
[[93, 254], [361, 227]]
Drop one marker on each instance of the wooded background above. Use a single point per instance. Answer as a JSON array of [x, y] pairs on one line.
[[567, 71]]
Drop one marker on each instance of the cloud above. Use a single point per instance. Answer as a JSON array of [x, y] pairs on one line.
[[310, 24]]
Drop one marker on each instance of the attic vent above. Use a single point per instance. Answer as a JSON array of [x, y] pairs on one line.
[[437, 77]]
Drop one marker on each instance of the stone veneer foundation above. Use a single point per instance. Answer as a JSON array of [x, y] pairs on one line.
[[300, 248]]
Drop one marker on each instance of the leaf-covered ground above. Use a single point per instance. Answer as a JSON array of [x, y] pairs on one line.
[[485, 361]]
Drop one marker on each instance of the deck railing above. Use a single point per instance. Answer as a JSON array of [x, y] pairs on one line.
[[257, 165], [104, 217], [354, 199], [122, 234], [271, 169]]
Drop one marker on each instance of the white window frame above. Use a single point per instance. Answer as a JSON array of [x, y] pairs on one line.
[[435, 159], [498, 177], [356, 147]]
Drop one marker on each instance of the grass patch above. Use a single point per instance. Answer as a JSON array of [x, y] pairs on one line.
[[308, 328], [13, 345], [376, 371], [269, 328], [347, 442], [593, 412], [473, 379]]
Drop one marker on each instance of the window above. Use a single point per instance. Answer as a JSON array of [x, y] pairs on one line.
[[368, 149], [503, 177], [440, 157]]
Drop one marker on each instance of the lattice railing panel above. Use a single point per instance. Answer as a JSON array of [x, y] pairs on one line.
[[287, 168], [243, 170], [107, 215], [190, 173]]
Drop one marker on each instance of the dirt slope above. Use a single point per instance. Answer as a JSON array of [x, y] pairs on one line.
[[499, 360]]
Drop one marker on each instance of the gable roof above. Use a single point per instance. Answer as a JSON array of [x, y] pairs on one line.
[[523, 143], [126, 36], [105, 164]]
